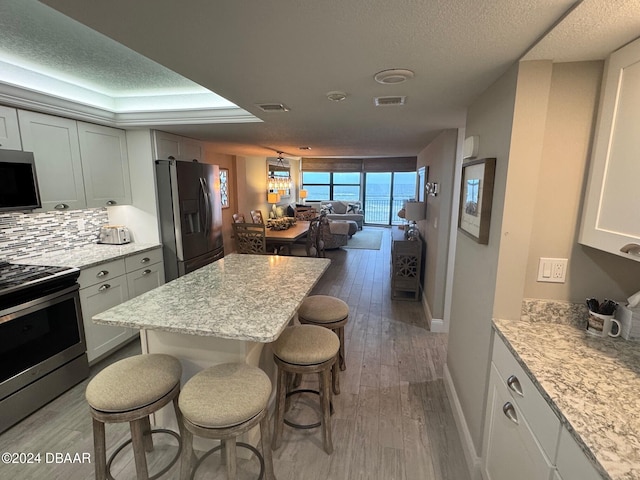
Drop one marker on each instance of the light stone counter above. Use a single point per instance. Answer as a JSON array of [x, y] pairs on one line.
[[592, 384], [241, 297], [88, 255]]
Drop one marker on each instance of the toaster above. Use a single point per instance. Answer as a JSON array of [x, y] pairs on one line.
[[114, 235]]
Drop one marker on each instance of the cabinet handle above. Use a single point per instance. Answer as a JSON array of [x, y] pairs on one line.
[[104, 287], [510, 412], [61, 206], [146, 272], [145, 260], [631, 249], [514, 384], [111, 203], [102, 273]]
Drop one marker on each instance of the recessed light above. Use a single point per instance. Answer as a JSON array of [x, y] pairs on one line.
[[336, 96], [393, 75]]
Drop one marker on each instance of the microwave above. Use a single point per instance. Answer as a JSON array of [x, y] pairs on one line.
[[18, 181]]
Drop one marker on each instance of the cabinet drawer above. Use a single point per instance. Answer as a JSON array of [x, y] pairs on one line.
[[142, 260], [544, 423], [145, 279], [101, 273]]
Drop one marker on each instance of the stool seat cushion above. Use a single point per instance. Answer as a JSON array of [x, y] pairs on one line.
[[133, 382], [323, 309], [306, 345], [225, 395]]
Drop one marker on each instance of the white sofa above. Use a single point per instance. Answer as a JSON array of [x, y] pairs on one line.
[[341, 210]]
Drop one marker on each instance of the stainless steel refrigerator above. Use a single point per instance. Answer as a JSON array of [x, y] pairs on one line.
[[190, 215]]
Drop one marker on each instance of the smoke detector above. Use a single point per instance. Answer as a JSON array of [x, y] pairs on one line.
[[389, 101], [393, 76]]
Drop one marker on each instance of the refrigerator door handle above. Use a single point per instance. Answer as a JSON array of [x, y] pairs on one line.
[[207, 203]]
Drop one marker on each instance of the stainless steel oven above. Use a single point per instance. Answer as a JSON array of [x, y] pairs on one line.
[[42, 343]]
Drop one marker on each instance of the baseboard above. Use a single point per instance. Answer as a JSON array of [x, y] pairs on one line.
[[436, 325], [473, 460]]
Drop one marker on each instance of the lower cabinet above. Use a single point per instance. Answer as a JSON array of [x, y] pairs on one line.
[[511, 448], [109, 284], [523, 438]]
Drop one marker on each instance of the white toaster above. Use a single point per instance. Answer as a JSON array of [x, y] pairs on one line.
[[114, 235]]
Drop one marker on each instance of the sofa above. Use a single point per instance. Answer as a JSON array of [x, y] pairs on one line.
[[341, 210]]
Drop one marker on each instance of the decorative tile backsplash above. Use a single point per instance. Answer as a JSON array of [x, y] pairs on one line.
[[25, 234], [554, 311]]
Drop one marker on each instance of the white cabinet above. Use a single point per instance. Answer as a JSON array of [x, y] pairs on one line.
[[54, 143], [174, 147], [102, 339], [511, 448], [610, 219], [572, 463], [105, 165], [109, 284], [9, 131]]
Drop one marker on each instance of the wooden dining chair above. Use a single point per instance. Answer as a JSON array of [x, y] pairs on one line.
[[250, 237], [238, 218], [256, 216], [314, 241]]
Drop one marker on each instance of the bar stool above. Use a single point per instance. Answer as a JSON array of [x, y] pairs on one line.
[[328, 312], [223, 402], [299, 350], [129, 391]]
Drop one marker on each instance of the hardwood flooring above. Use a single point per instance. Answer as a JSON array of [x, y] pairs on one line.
[[392, 419]]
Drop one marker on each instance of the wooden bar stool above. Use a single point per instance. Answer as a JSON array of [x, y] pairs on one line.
[[328, 312], [303, 349], [223, 402], [129, 391]]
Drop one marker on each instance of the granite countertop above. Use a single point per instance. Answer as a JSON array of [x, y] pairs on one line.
[[88, 255], [241, 297], [592, 384]]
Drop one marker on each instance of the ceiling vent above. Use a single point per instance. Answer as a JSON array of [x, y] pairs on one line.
[[389, 101], [272, 107]]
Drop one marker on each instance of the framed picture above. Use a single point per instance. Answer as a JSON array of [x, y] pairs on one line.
[[422, 178], [224, 187], [476, 195]]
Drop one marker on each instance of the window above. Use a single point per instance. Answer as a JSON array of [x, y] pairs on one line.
[[332, 185]]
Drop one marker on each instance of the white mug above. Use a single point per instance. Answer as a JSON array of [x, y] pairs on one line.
[[603, 325]]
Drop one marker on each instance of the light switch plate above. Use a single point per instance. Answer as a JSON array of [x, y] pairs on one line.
[[552, 270]]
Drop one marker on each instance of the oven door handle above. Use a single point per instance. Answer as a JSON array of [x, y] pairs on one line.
[[22, 309]]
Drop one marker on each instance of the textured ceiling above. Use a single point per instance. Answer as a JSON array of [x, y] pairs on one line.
[[294, 52]]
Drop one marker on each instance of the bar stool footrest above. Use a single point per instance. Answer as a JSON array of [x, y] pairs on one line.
[[129, 441], [255, 451], [311, 425]]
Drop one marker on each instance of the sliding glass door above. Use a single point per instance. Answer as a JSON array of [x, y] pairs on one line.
[[384, 195]]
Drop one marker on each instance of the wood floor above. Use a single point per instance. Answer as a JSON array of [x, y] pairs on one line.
[[392, 419]]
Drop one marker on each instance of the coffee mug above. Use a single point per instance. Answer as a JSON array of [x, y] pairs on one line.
[[603, 325]]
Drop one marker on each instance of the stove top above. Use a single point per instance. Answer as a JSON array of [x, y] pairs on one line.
[[15, 277]]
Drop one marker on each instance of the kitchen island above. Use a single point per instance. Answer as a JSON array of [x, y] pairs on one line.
[[227, 311]]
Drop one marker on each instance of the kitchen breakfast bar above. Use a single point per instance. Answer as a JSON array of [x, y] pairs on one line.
[[227, 311]]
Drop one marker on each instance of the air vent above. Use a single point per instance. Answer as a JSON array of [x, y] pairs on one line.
[[389, 101], [272, 107]]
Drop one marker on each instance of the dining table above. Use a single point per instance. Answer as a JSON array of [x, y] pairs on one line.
[[285, 238], [227, 311]]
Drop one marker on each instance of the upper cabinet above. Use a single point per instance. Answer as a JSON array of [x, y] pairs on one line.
[[9, 131], [78, 164], [174, 147], [105, 165], [54, 143], [610, 218]]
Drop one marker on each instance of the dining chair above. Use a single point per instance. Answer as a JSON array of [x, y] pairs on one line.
[[238, 218], [249, 237], [315, 241], [256, 216]]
